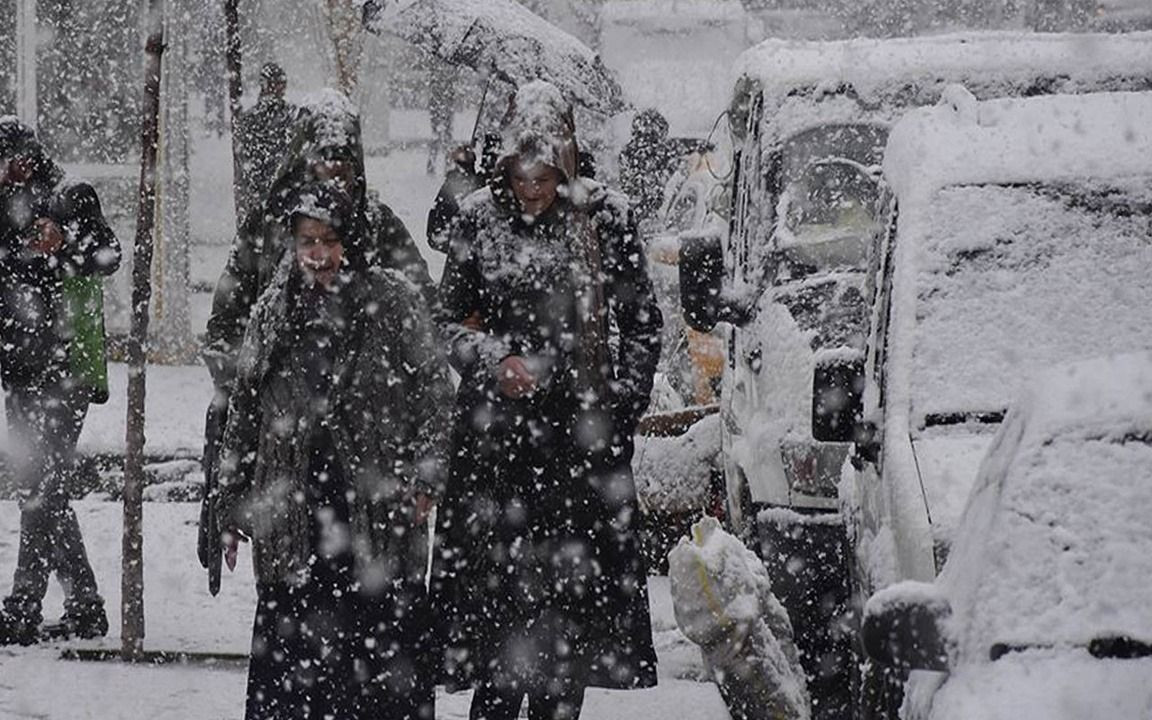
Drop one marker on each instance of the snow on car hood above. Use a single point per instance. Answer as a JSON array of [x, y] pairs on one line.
[[1042, 685], [1055, 547]]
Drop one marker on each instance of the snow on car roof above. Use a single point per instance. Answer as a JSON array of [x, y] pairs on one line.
[[1050, 138], [871, 64]]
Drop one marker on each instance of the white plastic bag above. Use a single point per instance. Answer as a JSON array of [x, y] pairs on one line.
[[723, 601]]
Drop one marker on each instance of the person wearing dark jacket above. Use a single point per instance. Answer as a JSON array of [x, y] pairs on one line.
[[463, 177], [646, 164], [325, 147], [553, 326], [333, 454], [54, 247], [265, 131]]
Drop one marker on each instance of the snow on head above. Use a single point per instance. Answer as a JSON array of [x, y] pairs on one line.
[[541, 130]]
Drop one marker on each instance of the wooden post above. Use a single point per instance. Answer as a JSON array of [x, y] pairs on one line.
[[132, 578]]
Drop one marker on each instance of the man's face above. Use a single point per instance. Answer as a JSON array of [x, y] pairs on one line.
[[319, 251], [535, 186], [339, 172]]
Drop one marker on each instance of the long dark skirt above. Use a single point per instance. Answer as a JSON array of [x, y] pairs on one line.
[[324, 650], [537, 578]]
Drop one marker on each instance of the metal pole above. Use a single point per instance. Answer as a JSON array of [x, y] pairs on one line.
[[132, 578], [26, 76], [233, 58]]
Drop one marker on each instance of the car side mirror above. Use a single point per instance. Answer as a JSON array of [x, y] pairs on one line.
[[906, 627], [837, 398], [702, 297], [701, 279]]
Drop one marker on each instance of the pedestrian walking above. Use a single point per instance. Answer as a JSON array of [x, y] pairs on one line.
[[264, 133], [333, 455], [55, 247], [326, 147], [553, 327], [646, 164]]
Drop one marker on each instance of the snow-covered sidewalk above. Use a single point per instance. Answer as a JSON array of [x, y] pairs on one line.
[[180, 615]]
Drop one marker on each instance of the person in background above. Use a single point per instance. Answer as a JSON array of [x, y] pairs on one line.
[[333, 455], [264, 133], [646, 163], [55, 248], [463, 177], [537, 577]]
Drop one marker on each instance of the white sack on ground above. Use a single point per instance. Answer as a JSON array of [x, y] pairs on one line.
[[723, 601]]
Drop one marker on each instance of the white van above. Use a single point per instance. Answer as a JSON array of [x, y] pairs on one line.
[[795, 276], [1022, 239]]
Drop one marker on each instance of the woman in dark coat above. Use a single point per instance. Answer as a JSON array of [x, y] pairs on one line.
[[332, 455], [553, 326]]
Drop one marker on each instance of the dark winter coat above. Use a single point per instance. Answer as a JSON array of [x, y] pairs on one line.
[[327, 129], [537, 571], [36, 332], [384, 415]]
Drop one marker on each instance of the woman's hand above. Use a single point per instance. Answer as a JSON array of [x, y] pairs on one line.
[[516, 381], [230, 540], [49, 237]]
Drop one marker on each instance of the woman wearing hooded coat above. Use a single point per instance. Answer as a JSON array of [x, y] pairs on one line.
[[553, 326], [335, 441]]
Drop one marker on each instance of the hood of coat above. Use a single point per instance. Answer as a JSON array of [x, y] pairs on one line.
[[540, 128], [17, 139], [327, 128]]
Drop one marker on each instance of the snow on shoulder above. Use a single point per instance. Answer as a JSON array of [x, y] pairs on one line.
[[1052, 138]]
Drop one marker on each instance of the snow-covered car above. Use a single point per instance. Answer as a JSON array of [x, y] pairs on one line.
[[1041, 610], [795, 278], [1021, 240]]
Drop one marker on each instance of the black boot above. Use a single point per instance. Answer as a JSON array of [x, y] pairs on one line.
[[18, 630], [84, 622]]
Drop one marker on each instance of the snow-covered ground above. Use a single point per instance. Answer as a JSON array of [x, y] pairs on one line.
[[180, 615]]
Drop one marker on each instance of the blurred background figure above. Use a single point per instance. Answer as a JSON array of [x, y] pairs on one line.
[[265, 131], [646, 163]]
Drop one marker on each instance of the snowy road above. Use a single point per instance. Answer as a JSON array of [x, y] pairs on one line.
[[181, 615]]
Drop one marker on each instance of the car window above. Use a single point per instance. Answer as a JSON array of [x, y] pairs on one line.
[[1010, 279]]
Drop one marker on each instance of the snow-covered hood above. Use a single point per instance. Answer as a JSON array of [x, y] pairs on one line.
[[1038, 685]]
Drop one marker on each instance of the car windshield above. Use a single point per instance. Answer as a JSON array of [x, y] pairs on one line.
[[1010, 279], [830, 196]]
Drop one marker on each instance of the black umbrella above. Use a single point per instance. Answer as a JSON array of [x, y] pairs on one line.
[[505, 38]]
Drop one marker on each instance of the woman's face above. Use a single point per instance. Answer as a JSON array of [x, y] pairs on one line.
[[535, 187], [319, 251]]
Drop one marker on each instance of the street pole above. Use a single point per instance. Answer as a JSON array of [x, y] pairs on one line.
[[132, 577], [233, 59]]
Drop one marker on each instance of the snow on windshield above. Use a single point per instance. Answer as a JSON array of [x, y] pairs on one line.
[[998, 265]]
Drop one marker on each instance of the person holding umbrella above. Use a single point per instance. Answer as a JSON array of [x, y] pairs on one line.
[[553, 326]]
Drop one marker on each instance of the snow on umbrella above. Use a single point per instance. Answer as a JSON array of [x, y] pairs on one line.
[[504, 37]]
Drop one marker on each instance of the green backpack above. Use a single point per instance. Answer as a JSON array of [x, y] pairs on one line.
[[83, 305]]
